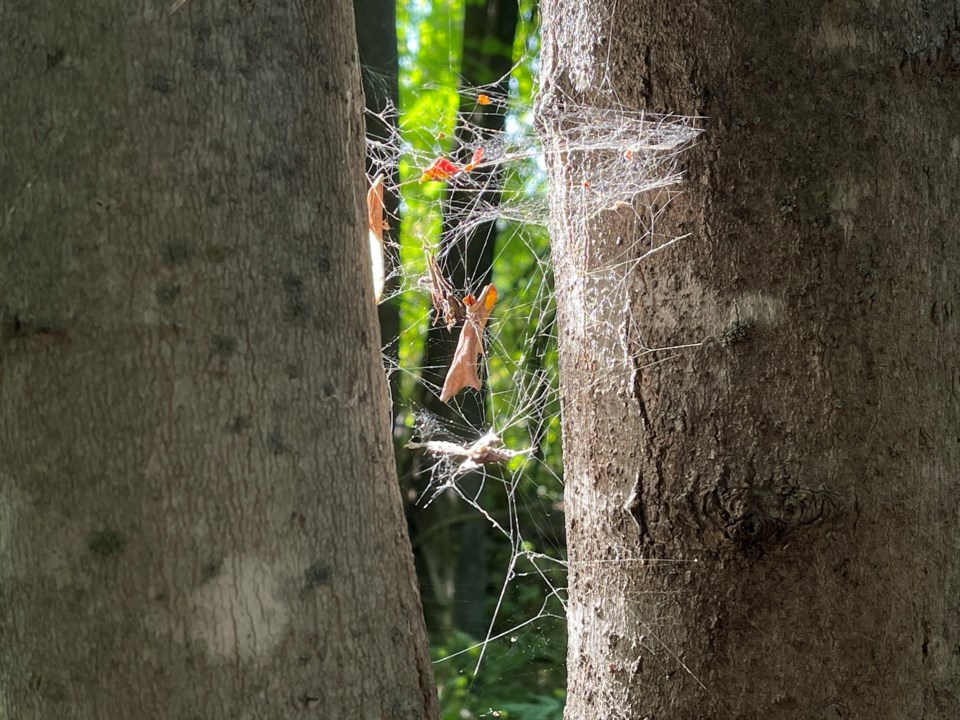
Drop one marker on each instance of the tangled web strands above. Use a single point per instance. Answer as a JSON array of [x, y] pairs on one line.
[[606, 161], [620, 154], [610, 159]]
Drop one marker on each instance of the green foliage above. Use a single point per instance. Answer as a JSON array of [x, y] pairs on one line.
[[522, 674], [429, 37], [521, 677], [540, 708]]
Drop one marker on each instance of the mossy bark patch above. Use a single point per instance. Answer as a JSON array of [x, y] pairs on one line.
[[106, 542]]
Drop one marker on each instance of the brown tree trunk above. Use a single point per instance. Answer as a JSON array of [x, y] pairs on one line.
[[764, 526], [199, 513]]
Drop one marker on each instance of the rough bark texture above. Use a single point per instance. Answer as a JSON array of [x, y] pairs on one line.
[[199, 513], [767, 526]]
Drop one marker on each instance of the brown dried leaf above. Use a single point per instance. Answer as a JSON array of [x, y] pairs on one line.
[[463, 369], [376, 225], [375, 208], [448, 308]]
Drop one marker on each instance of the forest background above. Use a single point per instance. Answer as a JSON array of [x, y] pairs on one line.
[[497, 632]]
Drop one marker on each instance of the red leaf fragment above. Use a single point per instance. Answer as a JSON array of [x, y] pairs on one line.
[[440, 169], [475, 160]]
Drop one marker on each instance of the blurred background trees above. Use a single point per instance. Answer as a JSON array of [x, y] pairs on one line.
[[447, 52]]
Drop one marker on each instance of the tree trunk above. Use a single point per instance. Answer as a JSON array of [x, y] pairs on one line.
[[199, 512], [764, 526]]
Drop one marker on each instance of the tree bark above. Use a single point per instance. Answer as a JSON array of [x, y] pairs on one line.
[[199, 511], [766, 525]]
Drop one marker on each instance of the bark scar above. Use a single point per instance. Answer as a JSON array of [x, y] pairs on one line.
[[634, 505], [635, 509]]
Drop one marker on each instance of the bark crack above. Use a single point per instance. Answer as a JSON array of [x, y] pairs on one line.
[[634, 507]]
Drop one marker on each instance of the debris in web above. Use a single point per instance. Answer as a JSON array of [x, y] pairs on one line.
[[443, 169], [447, 307], [376, 226], [463, 370], [488, 449], [439, 169], [455, 185]]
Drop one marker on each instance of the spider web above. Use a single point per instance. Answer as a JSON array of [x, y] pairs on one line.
[[626, 164]]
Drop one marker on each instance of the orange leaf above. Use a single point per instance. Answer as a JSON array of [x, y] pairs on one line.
[[463, 369], [475, 160], [483, 99], [489, 298], [375, 207], [440, 169]]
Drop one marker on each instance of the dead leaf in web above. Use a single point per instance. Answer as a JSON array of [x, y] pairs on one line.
[[475, 160], [439, 169], [375, 208], [448, 308], [463, 369], [488, 449], [376, 226]]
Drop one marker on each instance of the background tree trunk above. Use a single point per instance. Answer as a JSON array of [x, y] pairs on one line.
[[489, 29], [199, 512], [376, 22], [765, 526]]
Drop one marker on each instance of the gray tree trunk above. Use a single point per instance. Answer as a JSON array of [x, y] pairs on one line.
[[764, 526], [199, 513]]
